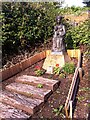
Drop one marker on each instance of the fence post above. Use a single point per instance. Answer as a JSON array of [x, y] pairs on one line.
[[80, 73], [66, 112], [70, 108]]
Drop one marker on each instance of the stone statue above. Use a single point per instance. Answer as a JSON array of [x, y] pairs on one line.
[[58, 38]]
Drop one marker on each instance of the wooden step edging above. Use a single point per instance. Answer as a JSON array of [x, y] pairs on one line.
[[29, 91], [31, 80], [9, 72], [21, 102], [73, 88], [8, 112]]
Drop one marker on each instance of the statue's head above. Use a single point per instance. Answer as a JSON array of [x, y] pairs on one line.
[[58, 19]]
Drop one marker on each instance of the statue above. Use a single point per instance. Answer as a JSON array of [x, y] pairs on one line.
[[58, 38], [58, 55]]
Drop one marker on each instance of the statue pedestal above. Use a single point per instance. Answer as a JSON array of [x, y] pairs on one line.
[[56, 58]]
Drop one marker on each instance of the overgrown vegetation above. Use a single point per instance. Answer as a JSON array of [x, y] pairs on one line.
[[68, 68], [25, 25], [78, 35], [73, 10]]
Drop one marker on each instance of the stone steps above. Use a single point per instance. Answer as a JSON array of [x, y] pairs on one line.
[[31, 80], [9, 112], [29, 91], [21, 102]]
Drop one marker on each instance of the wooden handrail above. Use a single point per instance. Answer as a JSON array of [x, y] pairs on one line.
[[71, 90], [73, 87]]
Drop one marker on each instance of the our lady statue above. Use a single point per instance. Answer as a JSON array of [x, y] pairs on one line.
[[58, 38]]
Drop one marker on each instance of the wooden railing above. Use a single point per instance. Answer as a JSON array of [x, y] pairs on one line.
[[73, 88]]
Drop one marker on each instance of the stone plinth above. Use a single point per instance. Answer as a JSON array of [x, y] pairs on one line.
[[56, 58]]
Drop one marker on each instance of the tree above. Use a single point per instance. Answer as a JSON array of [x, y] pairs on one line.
[[87, 2]]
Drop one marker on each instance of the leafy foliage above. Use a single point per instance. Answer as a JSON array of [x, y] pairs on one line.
[[58, 110], [26, 24], [62, 75], [73, 10], [78, 35], [69, 68]]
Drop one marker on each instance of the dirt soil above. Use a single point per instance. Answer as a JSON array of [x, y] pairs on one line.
[[54, 107], [56, 100]]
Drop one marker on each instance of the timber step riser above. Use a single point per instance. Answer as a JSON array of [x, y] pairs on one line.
[[8, 112], [31, 80], [29, 91], [37, 96], [21, 103]]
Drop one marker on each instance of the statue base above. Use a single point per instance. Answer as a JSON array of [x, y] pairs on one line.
[[57, 53], [56, 58]]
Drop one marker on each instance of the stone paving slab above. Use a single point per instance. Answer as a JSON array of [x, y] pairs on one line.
[[9, 112], [31, 80], [21, 102], [30, 91]]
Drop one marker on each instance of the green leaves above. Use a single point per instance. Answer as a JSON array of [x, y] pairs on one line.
[[34, 23], [39, 85], [69, 68], [78, 34], [30, 21]]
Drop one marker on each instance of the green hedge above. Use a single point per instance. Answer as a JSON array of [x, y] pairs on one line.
[[78, 35], [26, 24]]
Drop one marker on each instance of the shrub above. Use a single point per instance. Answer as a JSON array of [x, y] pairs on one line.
[[69, 68], [78, 34], [26, 24]]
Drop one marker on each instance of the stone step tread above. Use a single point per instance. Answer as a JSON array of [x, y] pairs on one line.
[[31, 80], [30, 91], [9, 112], [21, 102]]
